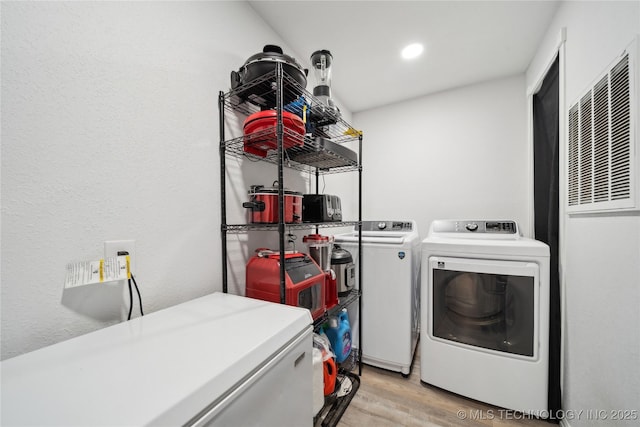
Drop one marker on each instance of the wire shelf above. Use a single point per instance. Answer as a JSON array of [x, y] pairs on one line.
[[343, 302], [351, 362], [336, 404], [239, 228], [321, 147], [326, 156]]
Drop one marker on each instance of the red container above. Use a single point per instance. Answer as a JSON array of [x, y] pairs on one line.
[[260, 132], [263, 203], [304, 281], [330, 374], [330, 290]]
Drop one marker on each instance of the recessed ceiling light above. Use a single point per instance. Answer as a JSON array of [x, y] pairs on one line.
[[412, 51]]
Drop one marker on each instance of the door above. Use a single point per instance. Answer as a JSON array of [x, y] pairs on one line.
[[546, 137], [485, 305]]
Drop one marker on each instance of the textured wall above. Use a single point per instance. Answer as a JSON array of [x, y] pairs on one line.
[[601, 256], [456, 154], [109, 132]]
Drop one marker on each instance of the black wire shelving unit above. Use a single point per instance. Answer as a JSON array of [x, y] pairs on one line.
[[319, 152]]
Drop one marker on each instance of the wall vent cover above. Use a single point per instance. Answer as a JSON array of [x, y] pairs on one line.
[[601, 156]]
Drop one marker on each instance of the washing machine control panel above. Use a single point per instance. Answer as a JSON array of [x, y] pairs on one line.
[[500, 227], [387, 226], [472, 226]]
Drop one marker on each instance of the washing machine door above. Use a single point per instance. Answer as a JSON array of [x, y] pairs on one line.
[[488, 305]]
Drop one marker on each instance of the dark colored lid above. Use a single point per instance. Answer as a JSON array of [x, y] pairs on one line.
[[340, 256], [272, 48], [273, 53]]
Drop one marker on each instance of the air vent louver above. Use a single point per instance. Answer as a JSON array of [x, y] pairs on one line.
[[600, 155], [574, 173], [620, 131]]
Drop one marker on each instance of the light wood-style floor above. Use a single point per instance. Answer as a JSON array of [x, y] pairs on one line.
[[388, 399]]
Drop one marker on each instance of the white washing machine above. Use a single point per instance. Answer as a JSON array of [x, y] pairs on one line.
[[485, 313], [391, 292]]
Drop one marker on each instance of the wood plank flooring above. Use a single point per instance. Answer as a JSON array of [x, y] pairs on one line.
[[388, 399]]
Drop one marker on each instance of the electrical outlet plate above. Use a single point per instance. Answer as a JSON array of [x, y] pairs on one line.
[[112, 247]]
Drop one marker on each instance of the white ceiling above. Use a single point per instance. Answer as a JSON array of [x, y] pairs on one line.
[[465, 42]]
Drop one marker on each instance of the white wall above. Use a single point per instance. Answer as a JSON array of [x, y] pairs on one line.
[[601, 257], [110, 131], [456, 154]]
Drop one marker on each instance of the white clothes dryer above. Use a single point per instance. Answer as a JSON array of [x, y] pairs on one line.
[[485, 313], [391, 292]]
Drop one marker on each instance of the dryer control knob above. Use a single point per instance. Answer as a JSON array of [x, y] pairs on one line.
[[472, 227], [382, 225]]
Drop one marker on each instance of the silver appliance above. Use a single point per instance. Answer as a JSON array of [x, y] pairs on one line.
[[344, 269]]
